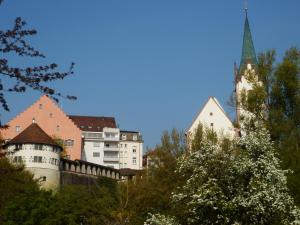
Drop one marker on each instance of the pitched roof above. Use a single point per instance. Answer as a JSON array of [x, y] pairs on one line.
[[93, 123], [248, 50], [33, 134]]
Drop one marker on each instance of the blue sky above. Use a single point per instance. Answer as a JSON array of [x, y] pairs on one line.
[[150, 64]]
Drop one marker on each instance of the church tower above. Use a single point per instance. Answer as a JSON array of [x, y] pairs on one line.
[[246, 70]]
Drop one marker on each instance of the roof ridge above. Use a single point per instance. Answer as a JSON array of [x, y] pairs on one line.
[[33, 134]]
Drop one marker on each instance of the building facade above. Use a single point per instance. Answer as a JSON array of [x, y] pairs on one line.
[[212, 116], [246, 72], [39, 153], [89, 138], [100, 139], [52, 120], [131, 150]]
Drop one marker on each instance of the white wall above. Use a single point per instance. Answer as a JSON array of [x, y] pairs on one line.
[[48, 168], [127, 154], [89, 148], [213, 116]]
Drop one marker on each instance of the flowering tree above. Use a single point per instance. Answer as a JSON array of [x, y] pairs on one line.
[[239, 185], [157, 219]]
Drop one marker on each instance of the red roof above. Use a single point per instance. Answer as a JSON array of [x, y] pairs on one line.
[[32, 135], [93, 123]]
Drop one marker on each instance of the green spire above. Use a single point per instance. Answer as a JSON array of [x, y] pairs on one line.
[[248, 51]]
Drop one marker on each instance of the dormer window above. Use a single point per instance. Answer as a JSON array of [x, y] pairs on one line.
[[134, 137], [123, 137], [18, 128]]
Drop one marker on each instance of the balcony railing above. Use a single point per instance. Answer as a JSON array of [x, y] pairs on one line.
[[111, 158], [111, 138], [111, 148]]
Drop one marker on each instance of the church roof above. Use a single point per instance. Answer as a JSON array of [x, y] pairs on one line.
[[248, 50], [33, 135]]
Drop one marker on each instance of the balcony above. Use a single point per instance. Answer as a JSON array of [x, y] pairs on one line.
[[111, 137], [111, 134], [93, 135], [111, 148], [111, 158]]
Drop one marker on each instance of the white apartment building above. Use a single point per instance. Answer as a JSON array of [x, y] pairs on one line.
[[131, 150], [101, 140], [105, 144]]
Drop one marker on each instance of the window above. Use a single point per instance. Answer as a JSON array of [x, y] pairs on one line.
[[40, 106], [69, 143], [18, 159], [96, 154], [210, 113], [38, 147], [96, 144], [18, 146], [123, 137], [121, 145], [50, 115], [57, 128], [53, 161], [38, 159], [33, 120], [18, 128], [125, 145], [133, 160], [110, 135], [106, 145], [134, 137], [134, 150], [211, 124]]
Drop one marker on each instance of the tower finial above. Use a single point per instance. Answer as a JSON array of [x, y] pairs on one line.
[[246, 7]]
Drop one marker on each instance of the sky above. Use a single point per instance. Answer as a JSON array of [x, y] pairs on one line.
[[150, 64]]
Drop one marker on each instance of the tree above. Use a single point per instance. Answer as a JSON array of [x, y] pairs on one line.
[[241, 185], [279, 95], [151, 192], [73, 204], [13, 42], [32, 207], [14, 181]]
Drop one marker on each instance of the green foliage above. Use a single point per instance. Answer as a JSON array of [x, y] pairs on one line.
[[73, 204], [275, 100], [282, 84], [150, 193], [241, 184], [14, 181], [198, 138], [32, 207]]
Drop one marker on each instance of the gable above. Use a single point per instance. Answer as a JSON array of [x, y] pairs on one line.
[[51, 119], [212, 115]]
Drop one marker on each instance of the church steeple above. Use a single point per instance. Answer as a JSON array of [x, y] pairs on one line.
[[248, 51]]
